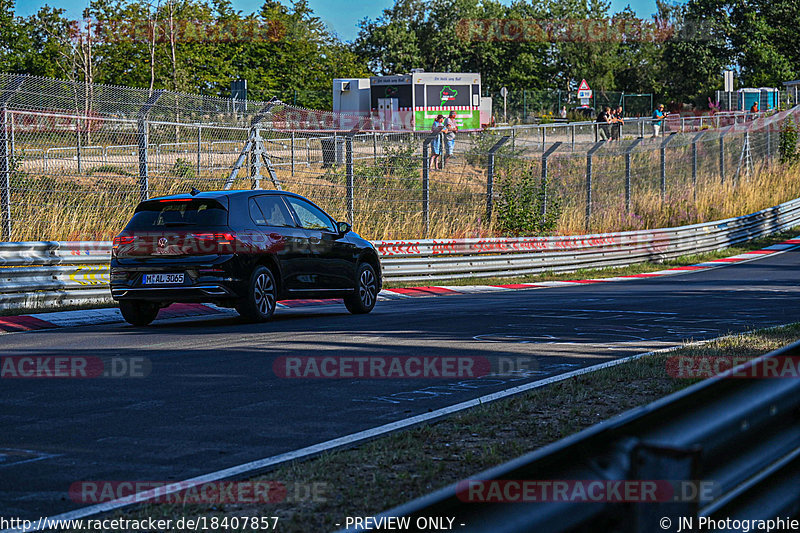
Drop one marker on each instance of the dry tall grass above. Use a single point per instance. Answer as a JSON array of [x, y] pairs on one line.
[[388, 202]]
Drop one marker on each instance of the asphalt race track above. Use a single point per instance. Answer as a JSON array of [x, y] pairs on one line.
[[211, 399]]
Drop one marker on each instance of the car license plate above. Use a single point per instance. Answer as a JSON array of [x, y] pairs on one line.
[[162, 279]]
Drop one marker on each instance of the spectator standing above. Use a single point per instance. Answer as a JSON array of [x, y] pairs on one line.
[[564, 112], [450, 129], [754, 108], [619, 120], [436, 143], [658, 120], [603, 120]]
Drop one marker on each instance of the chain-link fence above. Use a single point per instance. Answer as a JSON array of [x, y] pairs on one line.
[[75, 160]]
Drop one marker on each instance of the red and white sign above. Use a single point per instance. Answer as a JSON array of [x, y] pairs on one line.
[[584, 86]]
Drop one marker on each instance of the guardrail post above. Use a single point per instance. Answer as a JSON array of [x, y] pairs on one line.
[[545, 183], [628, 173], [664, 144], [589, 156], [5, 175], [490, 174], [349, 171], [681, 467]]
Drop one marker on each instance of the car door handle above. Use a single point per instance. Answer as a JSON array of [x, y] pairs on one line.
[[314, 240]]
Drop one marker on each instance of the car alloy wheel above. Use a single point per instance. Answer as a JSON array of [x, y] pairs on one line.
[[366, 291]]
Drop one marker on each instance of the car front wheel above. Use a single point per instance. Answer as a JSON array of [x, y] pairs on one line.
[[366, 291], [262, 296], [138, 313]]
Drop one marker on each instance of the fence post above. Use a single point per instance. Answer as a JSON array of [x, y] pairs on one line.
[[348, 146], [78, 142], [199, 147], [5, 175], [142, 137], [544, 137], [292, 153], [589, 157], [425, 182], [694, 161], [545, 183], [375, 147], [144, 185], [628, 173], [722, 153], [664, 144], [769, 143], [490, 174], [573, 137]]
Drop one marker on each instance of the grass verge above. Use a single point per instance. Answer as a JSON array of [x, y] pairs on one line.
[[373, 477]]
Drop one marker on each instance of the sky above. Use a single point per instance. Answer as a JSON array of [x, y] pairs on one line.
[[341, 16]]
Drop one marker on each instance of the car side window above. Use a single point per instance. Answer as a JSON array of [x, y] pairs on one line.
[[310, 216], [275, 211], [256, 214]]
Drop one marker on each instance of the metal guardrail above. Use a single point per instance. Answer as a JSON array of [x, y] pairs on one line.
[[434, 259], [54, 274], [737, 438]]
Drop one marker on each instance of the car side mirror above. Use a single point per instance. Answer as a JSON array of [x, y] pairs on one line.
[[343, 227]]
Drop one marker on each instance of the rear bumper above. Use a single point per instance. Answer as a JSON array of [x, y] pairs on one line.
[[194, 293]]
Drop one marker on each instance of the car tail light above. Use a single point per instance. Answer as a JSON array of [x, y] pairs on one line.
[[121, 240], [215, 242]]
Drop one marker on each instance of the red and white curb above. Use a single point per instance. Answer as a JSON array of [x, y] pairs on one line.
[[87, 317]]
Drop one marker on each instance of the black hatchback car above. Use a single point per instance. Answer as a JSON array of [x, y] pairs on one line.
[[241, 249]]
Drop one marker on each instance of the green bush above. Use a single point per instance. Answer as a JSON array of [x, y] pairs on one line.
[[184, 169], [519, 206], [787, 145]]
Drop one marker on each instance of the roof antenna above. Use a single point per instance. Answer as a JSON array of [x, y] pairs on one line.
[[194, 192]]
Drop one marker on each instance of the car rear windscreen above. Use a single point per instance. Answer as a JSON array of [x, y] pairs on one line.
[[162, 214]]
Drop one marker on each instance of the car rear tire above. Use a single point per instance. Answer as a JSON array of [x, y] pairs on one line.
[[262, 296], [138, 313], [363, 301]]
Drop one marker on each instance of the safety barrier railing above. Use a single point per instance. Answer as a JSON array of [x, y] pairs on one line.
[[52, 274], [722, 454]]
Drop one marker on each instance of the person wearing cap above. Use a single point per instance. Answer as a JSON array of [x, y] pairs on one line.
[[658, 120], [450, 129]]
